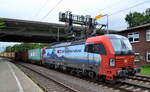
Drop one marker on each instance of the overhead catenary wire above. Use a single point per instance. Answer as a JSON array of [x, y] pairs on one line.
[[41, 8], [108, 7], [52, 9], [141, 3], [102, 9], [135, 5]]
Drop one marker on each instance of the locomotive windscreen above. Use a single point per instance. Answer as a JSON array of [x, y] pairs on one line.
[[121, 45]]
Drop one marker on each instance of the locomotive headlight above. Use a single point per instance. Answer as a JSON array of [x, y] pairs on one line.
[[112, 62]]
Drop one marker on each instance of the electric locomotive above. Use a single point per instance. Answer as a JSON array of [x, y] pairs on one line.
[[108, 56]]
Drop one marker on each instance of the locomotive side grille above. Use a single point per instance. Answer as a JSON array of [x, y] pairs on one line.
[[123, 62], [119, 62]]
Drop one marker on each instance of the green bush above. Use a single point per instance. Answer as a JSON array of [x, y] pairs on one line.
[[145, 70]]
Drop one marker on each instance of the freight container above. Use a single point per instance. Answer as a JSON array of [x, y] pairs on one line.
[[1, 54], [8, 54], [18, 56], [35, 55], [24, 56], [5, 54], [13, 54]]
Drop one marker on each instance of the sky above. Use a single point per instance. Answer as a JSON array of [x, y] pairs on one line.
[[37, 10], [3, 45]]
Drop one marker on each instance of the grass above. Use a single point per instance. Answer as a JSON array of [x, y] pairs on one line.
[[145, 70]]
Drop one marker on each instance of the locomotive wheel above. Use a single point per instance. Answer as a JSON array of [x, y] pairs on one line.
[[111, 81], [101, 78], [73, 72], [91, 75], [80, 73], [131, 73], [68, 69], [85, 73], [51, 66]]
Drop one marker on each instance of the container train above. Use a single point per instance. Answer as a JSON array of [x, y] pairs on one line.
[[107, 57]]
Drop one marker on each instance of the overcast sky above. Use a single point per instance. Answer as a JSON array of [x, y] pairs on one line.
[[37, 9]]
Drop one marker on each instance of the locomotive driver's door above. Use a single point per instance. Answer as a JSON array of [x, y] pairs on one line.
[[94, 52], [90, 55]]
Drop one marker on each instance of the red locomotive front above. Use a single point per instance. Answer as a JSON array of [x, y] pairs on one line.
[[119, 59]]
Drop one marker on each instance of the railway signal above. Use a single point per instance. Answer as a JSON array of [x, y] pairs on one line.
[[88, 23], [99, 16]]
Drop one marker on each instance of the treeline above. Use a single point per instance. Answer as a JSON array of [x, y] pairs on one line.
[[23, 47], [136, 19], [2, 24]]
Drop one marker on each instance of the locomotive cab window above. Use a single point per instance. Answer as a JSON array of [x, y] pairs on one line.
[[95, 48]]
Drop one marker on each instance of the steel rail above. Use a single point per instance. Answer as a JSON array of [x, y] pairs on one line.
[[142, 76], [51, 79], [137, 78], [136, 85], [116, 87]]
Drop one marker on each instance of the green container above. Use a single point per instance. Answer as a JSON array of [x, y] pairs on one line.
[[35, 54]]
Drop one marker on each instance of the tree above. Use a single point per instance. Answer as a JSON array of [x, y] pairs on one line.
[[24, 47], [147, 15], [2, 23], [8, 49], [136, 18]]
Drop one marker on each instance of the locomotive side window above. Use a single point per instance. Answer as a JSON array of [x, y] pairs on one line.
[[95, 48], [99, 49], [89, 48]]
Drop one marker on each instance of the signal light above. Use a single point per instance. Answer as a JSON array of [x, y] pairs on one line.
[[99, 16]]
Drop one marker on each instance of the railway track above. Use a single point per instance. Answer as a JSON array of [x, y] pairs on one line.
[[93, 86], [52, 84], [134, 87], [140, 78], [127, 86]]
